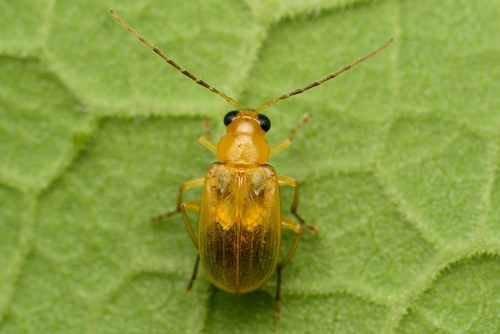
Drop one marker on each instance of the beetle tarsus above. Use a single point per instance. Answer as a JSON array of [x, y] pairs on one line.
[[193, 277], [277, 312], [160, 217], [313, 229]]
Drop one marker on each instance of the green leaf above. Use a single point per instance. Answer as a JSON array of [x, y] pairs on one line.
[[398, 166]]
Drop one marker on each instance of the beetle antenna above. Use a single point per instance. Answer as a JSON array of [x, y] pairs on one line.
[[173, 63], [328, 77]]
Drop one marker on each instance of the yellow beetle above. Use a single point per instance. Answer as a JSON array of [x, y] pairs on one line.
[[239, 215]]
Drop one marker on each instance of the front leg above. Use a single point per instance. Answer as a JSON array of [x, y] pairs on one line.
[[285, 143]]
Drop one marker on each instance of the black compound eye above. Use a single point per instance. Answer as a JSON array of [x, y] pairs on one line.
[[230, 116], [265, 123]]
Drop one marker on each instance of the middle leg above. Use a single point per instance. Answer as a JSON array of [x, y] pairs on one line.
[[288, 181]]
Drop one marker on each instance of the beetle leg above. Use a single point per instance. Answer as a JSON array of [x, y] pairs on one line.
[[193, 277], [205, 139], [285, 143], [186, 185], [195, 207], [288, 181], [182, 207], [289, 225]]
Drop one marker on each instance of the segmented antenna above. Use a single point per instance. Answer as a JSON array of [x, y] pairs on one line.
[[227, 98], [321, 81], [173, 63]]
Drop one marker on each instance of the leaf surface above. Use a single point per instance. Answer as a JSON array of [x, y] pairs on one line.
[[398, 166]]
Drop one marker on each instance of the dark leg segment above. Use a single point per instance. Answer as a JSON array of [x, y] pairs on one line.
[[193, 277], [289, 225]]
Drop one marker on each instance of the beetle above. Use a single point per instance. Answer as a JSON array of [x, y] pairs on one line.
[[239, 216]]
